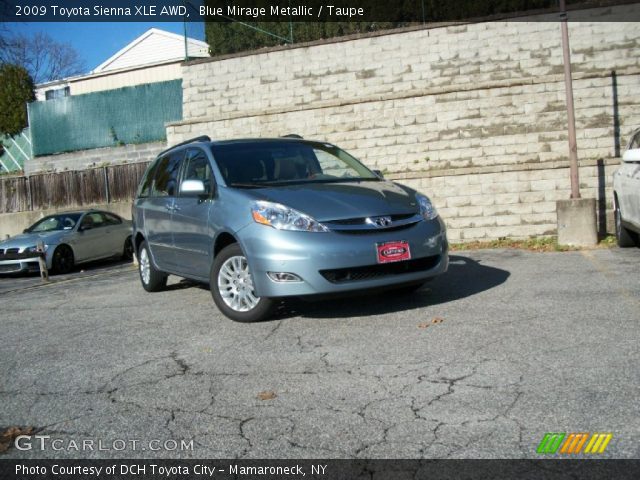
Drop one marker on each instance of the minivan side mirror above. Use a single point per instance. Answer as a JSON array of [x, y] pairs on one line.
[[379, 173], [192, 188]]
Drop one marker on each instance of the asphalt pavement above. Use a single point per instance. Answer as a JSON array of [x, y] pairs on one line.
[[480, 363]]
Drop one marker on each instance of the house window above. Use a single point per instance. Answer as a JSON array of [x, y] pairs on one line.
[[57, 93]]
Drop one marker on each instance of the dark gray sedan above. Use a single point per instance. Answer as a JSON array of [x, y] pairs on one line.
[[68, 239]]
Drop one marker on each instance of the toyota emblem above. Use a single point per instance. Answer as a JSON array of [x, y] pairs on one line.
[[379, 222]]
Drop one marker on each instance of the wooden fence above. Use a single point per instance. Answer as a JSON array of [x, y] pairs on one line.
[[115, 183]]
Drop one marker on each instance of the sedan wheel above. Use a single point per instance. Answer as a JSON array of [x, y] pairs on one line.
[[63, 260], [232, 287], [127, 251]]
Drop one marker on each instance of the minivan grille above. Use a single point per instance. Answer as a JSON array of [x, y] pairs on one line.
[[373, 231], [363, 226], [372, 272], [363, 221]]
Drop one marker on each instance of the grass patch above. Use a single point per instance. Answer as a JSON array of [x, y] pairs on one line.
[[538, 244], [608, 242]]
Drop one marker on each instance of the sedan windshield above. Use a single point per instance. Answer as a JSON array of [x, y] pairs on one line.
[[65, 221], [258, 164]]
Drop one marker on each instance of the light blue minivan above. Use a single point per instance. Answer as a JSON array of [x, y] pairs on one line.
[[263, 219]]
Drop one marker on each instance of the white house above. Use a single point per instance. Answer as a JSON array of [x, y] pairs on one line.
[[155, 56]]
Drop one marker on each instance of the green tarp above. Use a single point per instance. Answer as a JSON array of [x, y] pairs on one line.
[[105, 119]]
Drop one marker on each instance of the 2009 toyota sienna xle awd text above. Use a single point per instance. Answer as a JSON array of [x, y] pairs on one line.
[[260, 219]]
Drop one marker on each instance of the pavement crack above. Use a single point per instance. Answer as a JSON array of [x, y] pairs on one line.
[[277, 326], [244, 436], [183, 367], [451, 383]]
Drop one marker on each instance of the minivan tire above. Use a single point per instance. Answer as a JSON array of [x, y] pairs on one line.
[[230, 273], [152, 279]]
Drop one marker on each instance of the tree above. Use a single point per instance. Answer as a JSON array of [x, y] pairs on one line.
[[16, 89], [43, 57]]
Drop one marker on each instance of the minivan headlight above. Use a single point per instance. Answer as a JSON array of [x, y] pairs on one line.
[[284, 218], [427, 210]]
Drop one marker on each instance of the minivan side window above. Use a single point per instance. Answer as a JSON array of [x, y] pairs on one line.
[[197, 167], [147, 182], [166, 183]]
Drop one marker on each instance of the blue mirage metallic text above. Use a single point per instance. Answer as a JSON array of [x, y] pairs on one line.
[[280, 11]]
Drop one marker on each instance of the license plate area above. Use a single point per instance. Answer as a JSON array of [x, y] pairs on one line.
[[397, 251]]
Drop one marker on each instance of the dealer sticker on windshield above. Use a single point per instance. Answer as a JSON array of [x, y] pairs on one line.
[[393, 251]]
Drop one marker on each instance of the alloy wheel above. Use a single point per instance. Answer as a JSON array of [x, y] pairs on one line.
[[236, 286], [145, 269]]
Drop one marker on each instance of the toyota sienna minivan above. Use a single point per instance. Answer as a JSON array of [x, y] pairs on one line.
[[263, 219]]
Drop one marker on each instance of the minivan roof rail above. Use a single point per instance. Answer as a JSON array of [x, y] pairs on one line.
[[293, 135], [201, 138]]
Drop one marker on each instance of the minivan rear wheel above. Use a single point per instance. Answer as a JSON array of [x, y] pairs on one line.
[[232, 287], [153, 280]]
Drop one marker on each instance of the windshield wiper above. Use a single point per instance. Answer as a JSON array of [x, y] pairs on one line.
[[276, 183], [345, 179], [302, 181], [246, 185]]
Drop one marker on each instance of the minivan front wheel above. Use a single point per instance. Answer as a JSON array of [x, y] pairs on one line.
[[232, 288], [152, 279]]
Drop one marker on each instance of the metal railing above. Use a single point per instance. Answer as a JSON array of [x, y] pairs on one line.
[[16, 151]]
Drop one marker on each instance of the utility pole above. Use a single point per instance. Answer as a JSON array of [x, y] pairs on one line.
[[576, 215], [184, 24], [571, 119]]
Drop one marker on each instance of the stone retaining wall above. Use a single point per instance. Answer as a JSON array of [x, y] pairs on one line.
[[473, 115]]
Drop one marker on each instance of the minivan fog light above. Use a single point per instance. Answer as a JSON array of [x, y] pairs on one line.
[[283, 277]]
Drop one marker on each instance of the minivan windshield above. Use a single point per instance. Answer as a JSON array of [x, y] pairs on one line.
[[271, 163]]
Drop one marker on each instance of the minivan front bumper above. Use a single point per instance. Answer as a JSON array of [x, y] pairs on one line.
[[340, 262]]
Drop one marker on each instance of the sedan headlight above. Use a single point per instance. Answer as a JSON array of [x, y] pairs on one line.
[[33, 249], [284, 218], [427, 210]]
